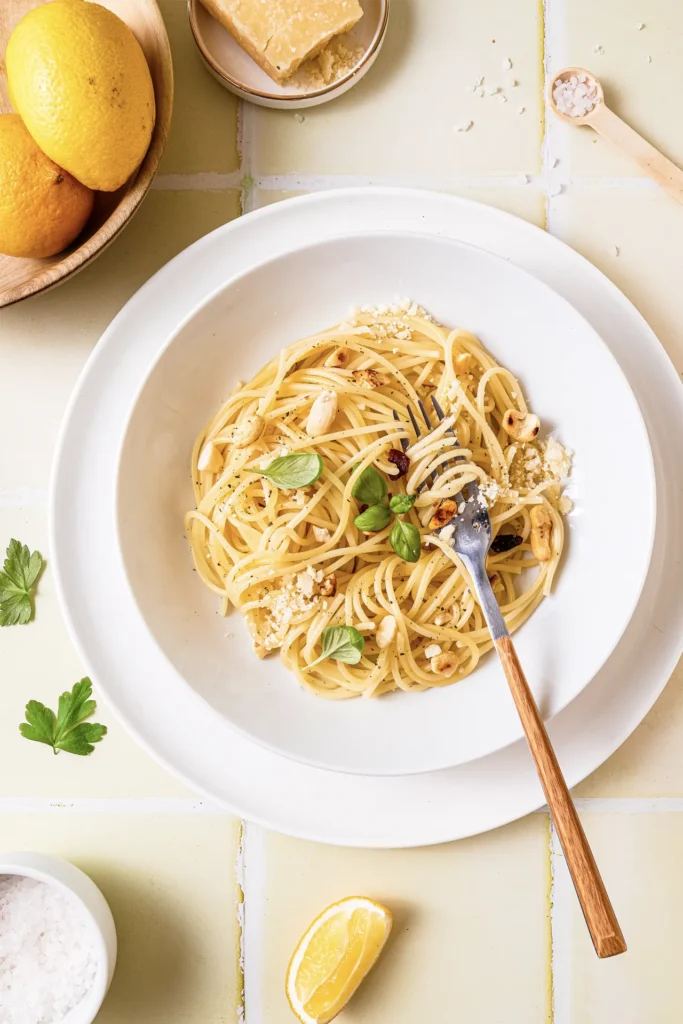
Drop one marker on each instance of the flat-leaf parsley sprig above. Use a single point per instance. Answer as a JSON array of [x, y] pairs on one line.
[[67, 730], [17, 579], [371, 489]]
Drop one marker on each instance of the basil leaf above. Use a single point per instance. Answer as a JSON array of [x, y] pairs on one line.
[[373, 519], [405, 540], [370, 488], [402, 503], [342, 643], [297, 470]]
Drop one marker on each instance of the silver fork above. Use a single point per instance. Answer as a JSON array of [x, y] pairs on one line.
[[471, 541]]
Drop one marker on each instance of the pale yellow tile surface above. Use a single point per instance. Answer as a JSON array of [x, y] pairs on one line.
[[39, 662], [646, 226], [401, 118], [204, 128], [523, 200], [169, 880], [45, 340], [640, 92], [640, 857], [470, 940]]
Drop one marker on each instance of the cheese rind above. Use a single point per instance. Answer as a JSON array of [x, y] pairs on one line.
[[281, 34]]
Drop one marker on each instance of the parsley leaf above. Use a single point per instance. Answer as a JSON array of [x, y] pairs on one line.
[[300, 469], [405, 540], [373, 519], [401, 503], [20, 572], [343, 643], [67, 730], [370, 487]]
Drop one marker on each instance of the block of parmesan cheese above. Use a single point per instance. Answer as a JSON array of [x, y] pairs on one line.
[[281, 34]]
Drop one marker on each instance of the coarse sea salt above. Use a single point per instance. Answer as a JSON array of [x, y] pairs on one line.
[[575, 96], [48, 961]]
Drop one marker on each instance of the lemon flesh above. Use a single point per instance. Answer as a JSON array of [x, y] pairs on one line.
[[334, 957], [42, 207], [79, 79]]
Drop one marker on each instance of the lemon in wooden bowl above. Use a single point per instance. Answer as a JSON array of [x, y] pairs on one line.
[[42, 207], [79, 78]]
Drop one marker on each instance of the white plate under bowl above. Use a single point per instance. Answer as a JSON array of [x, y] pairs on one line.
[[529, 329], [185, 734], [237, 71]]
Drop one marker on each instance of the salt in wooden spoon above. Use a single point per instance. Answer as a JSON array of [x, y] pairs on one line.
[[611, 127]]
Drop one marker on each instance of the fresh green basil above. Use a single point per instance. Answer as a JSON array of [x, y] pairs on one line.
[[373, 519], [401, 503], [405, 540], [370, 488], [297, 470], [342, 643]]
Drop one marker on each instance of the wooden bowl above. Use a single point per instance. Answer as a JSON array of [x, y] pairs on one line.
[[20, 278]]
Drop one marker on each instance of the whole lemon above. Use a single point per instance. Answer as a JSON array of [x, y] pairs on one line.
[[42, 208], [79, 79]]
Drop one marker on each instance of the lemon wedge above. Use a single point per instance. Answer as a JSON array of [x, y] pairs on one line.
[[334, 956]]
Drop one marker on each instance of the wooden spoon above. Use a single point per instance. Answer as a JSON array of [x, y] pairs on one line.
[[611, 127]]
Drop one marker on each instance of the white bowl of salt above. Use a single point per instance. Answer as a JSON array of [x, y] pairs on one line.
[[57, 942]]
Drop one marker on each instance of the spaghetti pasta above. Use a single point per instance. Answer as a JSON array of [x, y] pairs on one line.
[[292, 559]]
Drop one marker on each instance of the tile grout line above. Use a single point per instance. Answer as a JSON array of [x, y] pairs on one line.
[[253, 918], [211, 181], [239, 916], [561, 893]]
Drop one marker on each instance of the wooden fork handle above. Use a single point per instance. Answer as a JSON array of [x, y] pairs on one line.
[[597, 909]]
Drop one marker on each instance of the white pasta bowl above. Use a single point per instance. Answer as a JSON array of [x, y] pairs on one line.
[[71, 881], [571, 380]]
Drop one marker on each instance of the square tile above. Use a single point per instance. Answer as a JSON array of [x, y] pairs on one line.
[[45, 340], [646, 226], [643, 93], [401, 119], [39, 661], [640, 858], [204, 128], [169, 880], [470, 938]]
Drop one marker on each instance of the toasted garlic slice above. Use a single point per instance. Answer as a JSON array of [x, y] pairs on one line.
[[386, 631], [541, 533], [210, 459], [249, 431], [322, 414]]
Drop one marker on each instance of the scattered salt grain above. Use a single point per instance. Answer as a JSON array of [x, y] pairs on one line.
[[299, 118], [555, 190], [553, 163], [514, 83], [648, 59], [502, 99], [521, 110], [614, 249], [48, 962], [507, 64], [599, 50], [491, 90], [465, 127], [640, 26], [575, 96]]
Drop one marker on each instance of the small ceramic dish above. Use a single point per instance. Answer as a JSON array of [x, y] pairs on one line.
[[235, 69], [63, 876]]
